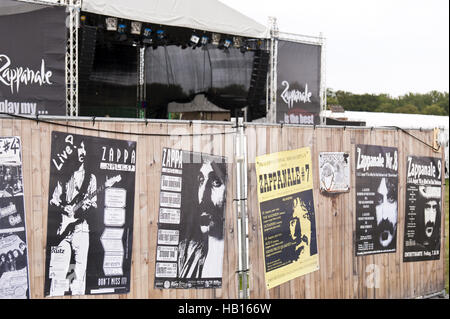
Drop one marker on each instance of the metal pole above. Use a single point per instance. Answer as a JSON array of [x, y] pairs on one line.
[[240, 148]]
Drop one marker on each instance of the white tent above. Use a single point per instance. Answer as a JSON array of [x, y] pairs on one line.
[[205, 15]]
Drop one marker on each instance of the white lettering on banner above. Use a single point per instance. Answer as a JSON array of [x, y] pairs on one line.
[[298, 119], [14, 107], [291, 96], [15, 77]]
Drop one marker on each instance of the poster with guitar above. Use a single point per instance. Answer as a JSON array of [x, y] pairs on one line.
[[90, 215]]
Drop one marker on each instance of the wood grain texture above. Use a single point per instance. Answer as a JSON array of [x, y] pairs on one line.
[[341, 274]]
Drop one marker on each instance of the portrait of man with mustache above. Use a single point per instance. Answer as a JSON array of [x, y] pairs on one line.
[[429, 216], [386, 210], [203, 213]]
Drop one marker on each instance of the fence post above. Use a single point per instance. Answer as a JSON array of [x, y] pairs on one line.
[[240, 158]]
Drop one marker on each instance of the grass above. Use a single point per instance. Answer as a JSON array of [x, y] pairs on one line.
[[446, 235]]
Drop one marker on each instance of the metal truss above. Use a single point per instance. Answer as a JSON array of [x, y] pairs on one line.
[[272, 83], [72, 23]]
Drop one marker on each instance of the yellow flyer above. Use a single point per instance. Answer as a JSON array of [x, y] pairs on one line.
[[286, 205]]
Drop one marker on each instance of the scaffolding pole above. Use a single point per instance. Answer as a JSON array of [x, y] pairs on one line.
[[240, 157], [72, 24]]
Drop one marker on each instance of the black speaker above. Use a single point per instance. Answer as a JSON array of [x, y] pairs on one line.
[[86, 54], [257, 92]]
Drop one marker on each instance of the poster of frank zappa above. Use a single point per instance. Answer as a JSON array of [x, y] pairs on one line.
[[90, 215], [14, 278], [423, 209], [376, 199], [190, 239], [288, 222], [334, 172]]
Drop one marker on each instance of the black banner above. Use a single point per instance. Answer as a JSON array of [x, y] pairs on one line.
[[14, 279], [376, 199], [32, 62], [190, 240], [90, 215], [298, 74], [423, 209]]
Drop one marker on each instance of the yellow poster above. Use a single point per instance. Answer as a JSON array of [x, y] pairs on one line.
[[286, 205]]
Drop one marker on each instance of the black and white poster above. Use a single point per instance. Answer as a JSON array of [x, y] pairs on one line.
[[14, 277], [190, 239], [32, 59], [376, 199], [298, 74], [90, 215], [423, 209], [334, 172]]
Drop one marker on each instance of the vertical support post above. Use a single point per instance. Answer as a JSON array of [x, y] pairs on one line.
[[323, 83], [240, 156], [72, 23], [272, 105], [141, 81]]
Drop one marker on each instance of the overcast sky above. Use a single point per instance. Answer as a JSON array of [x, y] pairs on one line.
[[372, 46]]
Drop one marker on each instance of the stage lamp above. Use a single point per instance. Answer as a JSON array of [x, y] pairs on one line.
[[121, 28], [205, 40], [111, 24], [160, 34], [147, 32], [136, 27], [237, 42], [227, 43], [215, 39], [195, 39], [147, 36]]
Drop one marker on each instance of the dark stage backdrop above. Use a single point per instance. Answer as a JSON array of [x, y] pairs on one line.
[[298, 83], [32, 61], [109, 78], [174, 74]]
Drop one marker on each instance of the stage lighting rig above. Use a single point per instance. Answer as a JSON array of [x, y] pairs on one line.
[[122, 27], [194, 39], [215, 39], [227, 43], [237, 42], [160, 34], [147, 36], [111, 24], [136, 27], [204, 40]]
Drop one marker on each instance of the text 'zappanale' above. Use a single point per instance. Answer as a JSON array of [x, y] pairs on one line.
[[15, 77]]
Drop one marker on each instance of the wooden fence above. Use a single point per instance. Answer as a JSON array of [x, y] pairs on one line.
[[341, 274]]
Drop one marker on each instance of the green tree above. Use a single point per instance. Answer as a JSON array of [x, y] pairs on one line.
[[407, 109], [385, 107], [434, 109]]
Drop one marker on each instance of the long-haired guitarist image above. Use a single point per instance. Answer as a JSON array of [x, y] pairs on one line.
[[90, 215], [76, 199]]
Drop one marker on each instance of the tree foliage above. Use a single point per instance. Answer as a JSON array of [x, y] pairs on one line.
[[432, 103]]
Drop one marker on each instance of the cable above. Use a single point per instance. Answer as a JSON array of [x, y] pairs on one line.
[[415, 137], [112, 132]]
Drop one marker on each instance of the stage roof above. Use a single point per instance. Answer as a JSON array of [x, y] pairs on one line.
[[204, 15], [14, 7]]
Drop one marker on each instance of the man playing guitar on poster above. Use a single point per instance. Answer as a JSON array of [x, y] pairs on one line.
[[75, 198]]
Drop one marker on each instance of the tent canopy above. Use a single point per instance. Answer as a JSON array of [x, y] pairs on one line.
[[205, 15], [8, 7]]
